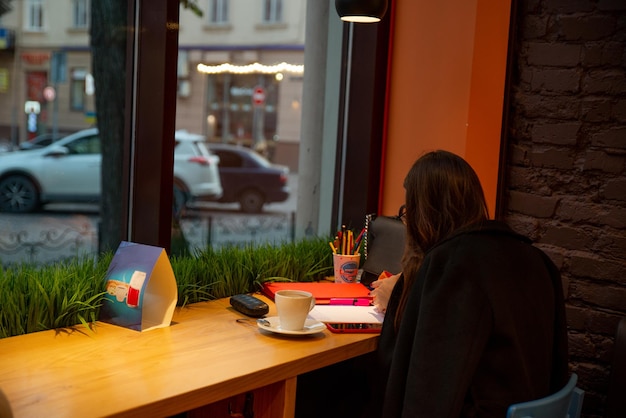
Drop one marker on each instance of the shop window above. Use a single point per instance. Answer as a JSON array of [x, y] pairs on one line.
[[80, 14], [218, 12], [34, 15], [235, 115], [273, 11], [77, 89]]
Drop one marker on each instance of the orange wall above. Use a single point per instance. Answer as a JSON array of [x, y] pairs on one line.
[[446, 88]]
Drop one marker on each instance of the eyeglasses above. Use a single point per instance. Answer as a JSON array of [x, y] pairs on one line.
[[402, 213]]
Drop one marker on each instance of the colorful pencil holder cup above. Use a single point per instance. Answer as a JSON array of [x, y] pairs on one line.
[[346, 267]]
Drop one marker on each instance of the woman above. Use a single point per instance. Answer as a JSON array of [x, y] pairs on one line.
[[476, 321]]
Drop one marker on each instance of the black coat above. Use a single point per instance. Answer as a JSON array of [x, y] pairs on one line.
[[483, 328]]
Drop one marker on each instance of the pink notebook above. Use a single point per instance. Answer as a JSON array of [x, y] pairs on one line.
[[323, 291]]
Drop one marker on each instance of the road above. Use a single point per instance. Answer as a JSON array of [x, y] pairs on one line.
[[67, 230]]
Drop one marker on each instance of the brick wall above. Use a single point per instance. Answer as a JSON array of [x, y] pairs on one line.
[[566, 157]]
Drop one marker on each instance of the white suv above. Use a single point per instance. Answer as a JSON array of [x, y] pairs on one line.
[[69, 171], [196, 168]]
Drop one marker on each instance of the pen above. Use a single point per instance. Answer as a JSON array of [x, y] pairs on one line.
[[350, 301], [357, 243]]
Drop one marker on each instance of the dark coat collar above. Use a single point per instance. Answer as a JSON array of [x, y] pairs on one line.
[[485, 227]]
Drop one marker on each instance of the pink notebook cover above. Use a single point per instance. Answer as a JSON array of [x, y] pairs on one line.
[[323, 291]]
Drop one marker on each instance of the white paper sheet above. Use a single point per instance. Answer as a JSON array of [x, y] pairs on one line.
[[346, 314]]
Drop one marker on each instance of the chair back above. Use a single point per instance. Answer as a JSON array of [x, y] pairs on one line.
[[561, 404], [576, 403]]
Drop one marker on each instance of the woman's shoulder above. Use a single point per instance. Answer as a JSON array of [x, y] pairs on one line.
[[489, 229]]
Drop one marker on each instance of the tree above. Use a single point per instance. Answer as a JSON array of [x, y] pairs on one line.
[[5, 6], [108, 49]]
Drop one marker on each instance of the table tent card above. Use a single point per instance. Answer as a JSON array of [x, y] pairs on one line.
[[141, 291]]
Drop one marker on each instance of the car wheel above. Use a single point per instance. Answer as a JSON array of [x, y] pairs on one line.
[[251, 201], [18, 194]]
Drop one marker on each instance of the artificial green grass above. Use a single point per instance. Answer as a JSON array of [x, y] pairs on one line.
[[35, 298]]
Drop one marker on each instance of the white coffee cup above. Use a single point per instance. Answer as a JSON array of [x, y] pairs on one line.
[[293, 307]]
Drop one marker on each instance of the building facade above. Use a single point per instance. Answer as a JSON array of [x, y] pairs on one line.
[[46, 84]]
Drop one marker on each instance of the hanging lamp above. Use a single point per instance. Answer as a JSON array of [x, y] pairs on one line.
[[361, 11]]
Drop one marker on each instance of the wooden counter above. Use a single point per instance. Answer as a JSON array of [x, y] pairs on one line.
[[205, 357]]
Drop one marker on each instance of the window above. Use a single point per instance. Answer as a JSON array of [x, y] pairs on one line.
[[232, 114], [86, 145], [77, 89], [80, 14], [34, 15], [218, 11], [272, 11]]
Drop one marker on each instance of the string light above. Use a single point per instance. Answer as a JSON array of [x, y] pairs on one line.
[[255, 68]]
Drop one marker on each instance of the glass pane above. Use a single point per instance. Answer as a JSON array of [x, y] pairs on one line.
[[246, 103], [51, 152]]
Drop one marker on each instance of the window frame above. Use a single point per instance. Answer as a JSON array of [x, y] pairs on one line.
[[272, 11], [218, 12], [78, 84], [34, 16], [150, 115], [150, 119], [80, 14]]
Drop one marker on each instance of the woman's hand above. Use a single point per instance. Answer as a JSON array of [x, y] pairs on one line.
[[382, 290]]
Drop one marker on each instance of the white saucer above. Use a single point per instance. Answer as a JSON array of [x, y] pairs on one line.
[[272, 324]]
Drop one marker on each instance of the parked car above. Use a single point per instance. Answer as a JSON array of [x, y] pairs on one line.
[[249, 178], [69, 171], [40, 141]]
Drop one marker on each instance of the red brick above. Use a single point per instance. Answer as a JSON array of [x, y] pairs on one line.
[[553, 80], [580, 344], [535, 26], [611, 244], [615, 189], [599, 268], [613, 137], [600, 160], [517, 156], [568, 6], [587, 27], [556, 133], [611, 5], [567, 237], [531, 204], [596, 214], [558, 107], [577, 211], [609, 297], [596, 110], [552, 158], [583, 318], [554, 54], [604, 82], [614, 217], [603, 53], [618, 111]]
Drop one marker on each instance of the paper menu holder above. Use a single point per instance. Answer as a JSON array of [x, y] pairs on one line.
[[141, 290]]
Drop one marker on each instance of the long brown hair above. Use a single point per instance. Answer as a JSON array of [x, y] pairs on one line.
[[443, 194]]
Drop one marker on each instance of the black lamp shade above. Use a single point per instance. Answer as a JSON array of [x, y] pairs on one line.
[[364, 11]]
